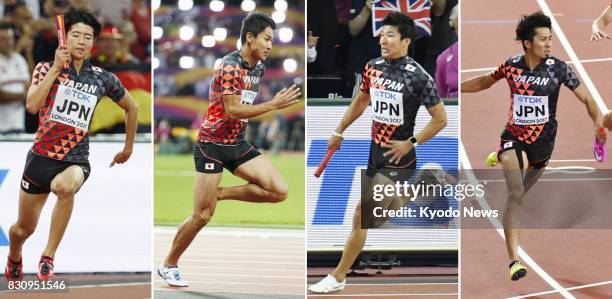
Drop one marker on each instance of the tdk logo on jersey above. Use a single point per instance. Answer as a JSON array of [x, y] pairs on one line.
[[385, 94], [250, 79], [388, 84], [411, 68], [530, 100], [80, 86], [75, 94], [550, 61], [531, 80]]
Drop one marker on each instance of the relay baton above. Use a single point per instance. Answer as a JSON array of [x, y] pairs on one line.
[[323, 164], [61, 33]]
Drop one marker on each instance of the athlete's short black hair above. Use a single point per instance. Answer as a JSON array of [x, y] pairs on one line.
[[525, 30], [404, 24], [79, 15], [255, 23]]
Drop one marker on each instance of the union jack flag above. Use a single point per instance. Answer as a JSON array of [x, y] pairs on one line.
[[417, 10]]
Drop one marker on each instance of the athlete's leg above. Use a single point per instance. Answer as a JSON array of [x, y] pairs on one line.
[[532, 176], [607, 121], [388, 202], [514, 183], [65, 185], [204, 203], [354, 242], [265, 183], [30, 206], [352, 248]]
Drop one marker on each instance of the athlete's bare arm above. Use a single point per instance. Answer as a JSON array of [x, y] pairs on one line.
[[355, 110], [284, 98], [601, 23], [130, 107], [436, 123], [478, 83], [39, 90], [399, 148], [583, 96]]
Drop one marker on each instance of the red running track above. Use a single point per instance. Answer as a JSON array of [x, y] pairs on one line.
[[577, 260]]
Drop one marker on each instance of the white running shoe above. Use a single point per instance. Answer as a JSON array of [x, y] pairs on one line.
[[172, 276], [329, 284]]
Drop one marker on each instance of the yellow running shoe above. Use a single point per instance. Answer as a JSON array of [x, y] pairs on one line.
[[517, 271], [492, 159]]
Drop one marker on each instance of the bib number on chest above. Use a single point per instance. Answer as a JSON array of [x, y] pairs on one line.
[[73, 107], [530, 110], [387, 107], [247, 98]]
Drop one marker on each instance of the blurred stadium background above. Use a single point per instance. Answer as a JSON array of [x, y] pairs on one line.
[[90, 243], [190, 38]]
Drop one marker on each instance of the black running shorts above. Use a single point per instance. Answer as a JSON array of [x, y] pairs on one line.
[[537, 154], [39, 171], [405, 168], [212, 158]]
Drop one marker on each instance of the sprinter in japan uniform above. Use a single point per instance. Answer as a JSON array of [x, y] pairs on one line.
[[65, 96], [395, 86]]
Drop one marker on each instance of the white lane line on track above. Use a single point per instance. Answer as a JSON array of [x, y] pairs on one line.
[[573, 57], [489, 22], [214, 250], [478, 70], [207, 261], [236, 283], [569, 289], [110, 285], [217, 274], [559, 180], [467, 167], [247, 256], [250, 245], [190, 290], [488, 69], [508, 21], [572, 160], [255, 269]]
